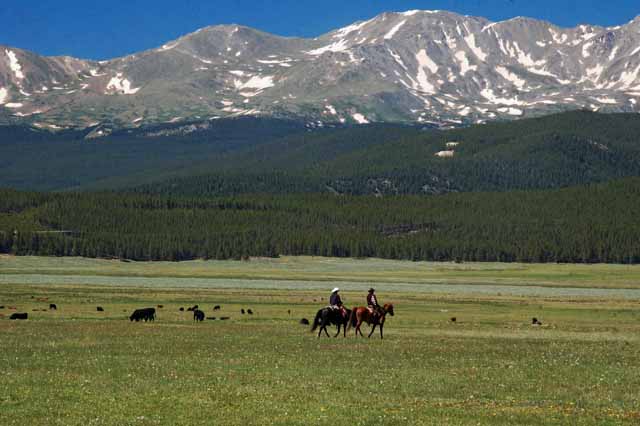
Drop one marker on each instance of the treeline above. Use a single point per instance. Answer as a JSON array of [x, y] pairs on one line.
[[594, 223]]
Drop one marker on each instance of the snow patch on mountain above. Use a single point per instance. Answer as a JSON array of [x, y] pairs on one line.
[[359, 118], [255, 82], [14, 64], [4, 94], [120, 85], [394, 30], [511, 77]]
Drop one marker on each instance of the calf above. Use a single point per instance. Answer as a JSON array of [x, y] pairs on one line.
[[99, 309], [216, 308], [19, 316], [147, 314], [198, 315], [304, 321], [53, 307], [249, 311]]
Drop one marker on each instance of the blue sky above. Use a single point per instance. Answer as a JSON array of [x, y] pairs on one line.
[[106, 29]]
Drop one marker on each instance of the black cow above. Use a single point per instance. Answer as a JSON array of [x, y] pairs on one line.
[[454, 319], [147, 314], [211, 318], [181, 309], [18, 316], [53, 306], [304, 321], [99, 309], [242, 311], [2, 307], [216, 308], [193, 308], [249, 311], [198, 315], [160, 306], [224, 318]]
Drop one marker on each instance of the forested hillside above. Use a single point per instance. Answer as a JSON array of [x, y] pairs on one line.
[[594, 223], [250, 155], [549, 152]]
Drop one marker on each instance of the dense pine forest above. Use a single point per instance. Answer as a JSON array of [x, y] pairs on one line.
[[591, 223]]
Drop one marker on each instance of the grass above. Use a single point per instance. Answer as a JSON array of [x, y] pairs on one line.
[[77, 366], [352, 270]]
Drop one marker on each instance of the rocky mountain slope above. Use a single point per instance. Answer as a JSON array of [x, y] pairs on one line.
[[432, 67]]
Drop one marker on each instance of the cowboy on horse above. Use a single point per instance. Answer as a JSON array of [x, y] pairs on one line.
[[336, 302], [372, 303]]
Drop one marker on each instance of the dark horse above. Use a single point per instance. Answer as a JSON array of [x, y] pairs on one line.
[[363, 314], [330, 316]]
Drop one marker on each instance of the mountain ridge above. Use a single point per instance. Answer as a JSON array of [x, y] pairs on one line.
[[432, 67]]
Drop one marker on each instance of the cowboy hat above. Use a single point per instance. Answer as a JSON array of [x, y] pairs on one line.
[[335, 289]]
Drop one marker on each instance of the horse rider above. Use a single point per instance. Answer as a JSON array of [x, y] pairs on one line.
[[336, 302], [372, 302]]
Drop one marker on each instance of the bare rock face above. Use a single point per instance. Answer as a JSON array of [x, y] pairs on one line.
[[433, 67]]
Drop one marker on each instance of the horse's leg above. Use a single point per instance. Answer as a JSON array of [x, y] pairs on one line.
[[358, 328], [373, 329], [325, 331], [338, 330], [381, 331]]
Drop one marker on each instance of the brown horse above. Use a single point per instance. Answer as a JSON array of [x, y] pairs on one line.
[[363, 314]]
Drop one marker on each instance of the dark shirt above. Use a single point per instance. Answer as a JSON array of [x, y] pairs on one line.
[[372, 300], [335, 300]]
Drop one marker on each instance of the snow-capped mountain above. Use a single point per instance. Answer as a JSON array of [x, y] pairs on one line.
[[417, 66]]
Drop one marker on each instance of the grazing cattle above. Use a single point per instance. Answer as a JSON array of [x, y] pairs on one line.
[[181, 309], [304, 321], [224, 318], [18, 316], [211, 318], [147, 314], [535, 321], [453, 319], [216, 308], [53, 306], [242, 311], [249, 311], [198, 315], [99, 309], [2, 307], [160, 306], [193, 308], [289, 311]]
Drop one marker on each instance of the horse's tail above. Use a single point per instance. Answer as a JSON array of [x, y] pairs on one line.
[[316, 320], [352, 319]]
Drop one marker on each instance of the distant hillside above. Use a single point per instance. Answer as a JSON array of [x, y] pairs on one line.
[[549, 152], [38, 159]]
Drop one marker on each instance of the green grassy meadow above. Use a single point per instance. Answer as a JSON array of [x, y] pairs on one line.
[[77, 366]]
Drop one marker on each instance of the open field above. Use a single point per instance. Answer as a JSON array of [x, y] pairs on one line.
[[345, 269], [76, 366]]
